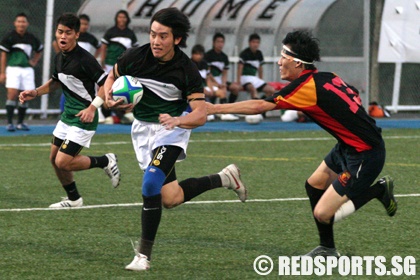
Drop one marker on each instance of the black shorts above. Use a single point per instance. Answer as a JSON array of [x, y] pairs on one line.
[[356, 171]]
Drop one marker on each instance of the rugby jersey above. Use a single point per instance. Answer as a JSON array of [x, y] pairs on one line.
[[19, 48], [165, 85], [251, 61], [117, 41], [333, 105], [78, 72], [217, 62]]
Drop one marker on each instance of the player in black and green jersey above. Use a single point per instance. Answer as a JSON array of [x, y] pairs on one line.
[[171, 106], [76, 72], [17, 48], [219, 66], [250, 71], [116, 40]]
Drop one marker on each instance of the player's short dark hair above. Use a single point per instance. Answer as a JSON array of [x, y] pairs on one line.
[[197, 49], [126, 15], [304, 45], [175, 19], [218, 35], [85, 17], [70, 20], [254, 36], [21, 15]]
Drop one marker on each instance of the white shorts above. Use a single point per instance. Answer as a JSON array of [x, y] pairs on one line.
[[74, 134], [254, 80], [148, 136], [21, 78]]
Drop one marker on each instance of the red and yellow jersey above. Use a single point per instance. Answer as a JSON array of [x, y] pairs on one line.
[[333, 105]]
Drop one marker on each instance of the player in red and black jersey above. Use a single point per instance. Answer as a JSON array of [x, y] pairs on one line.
[[344, 181]]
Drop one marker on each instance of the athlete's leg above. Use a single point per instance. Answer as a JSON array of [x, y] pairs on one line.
[[11, 103], [252, 90], [268, 90], [316, 186]]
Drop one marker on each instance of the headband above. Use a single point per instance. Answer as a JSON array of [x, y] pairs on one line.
[[295, 56]]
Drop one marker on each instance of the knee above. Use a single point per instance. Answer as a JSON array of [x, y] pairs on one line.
[[153, 181], [62, 164], [167, 204], [322, 216]]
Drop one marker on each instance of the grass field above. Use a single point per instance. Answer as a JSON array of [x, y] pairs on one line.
[[219, 239]]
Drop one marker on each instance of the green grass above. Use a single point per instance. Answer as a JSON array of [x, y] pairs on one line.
[[195, 241]]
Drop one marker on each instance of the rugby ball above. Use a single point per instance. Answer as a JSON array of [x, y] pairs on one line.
[[127, 88], [254, 119]]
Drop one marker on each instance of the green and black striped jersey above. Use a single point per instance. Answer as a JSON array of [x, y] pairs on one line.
[[19, 48]]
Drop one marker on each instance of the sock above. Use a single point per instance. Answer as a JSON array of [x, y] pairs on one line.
[[193, 187], [145, 247], [232, 98], [150, 219], [325, 231], [101, 161], [375, 191], [10, 108], [71, 191], [21, 114]]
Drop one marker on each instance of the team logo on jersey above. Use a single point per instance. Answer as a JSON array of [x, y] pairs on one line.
[[344, 178], [65, 144]]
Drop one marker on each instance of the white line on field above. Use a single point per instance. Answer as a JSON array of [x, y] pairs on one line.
[[212, 141], [189, 202]]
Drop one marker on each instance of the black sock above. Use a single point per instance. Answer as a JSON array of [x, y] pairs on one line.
[[150, 219], [232, 98], [71, 191], [10, 112], [193, 187], [375, 191], [21, 114], [101, 161], [325, 231]]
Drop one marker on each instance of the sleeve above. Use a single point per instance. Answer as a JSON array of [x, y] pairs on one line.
[[38, 46], [226, 61], [94, 70], [107, 36], [96, 43], [297, 95], [124, 60], [5, 44], [241, 57], [194, 80], [261, 58]]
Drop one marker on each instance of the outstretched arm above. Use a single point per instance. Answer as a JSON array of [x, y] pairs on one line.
[[248, 107], [50, 86]]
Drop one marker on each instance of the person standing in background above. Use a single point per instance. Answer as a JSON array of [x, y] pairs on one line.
[[16, 67], [115, 41]]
